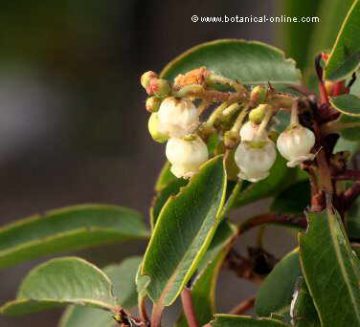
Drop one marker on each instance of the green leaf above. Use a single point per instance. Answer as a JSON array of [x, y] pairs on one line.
[[300, 32], [223, 320], [165, 177], [71, 228], [331, 270], [76, 316], [171, 189], [182, 234], [304, 313], [204, 286], [353, 220], [62, 281], [279, 177], [345, 55], [122, 277], [294, 199], [331, 14], [275, 293], [248, 62], [349, 127], [348, 104]]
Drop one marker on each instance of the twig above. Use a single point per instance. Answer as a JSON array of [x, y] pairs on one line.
[[243, 306], [348, 175], [272, 218], [350, 195], [188, 306]]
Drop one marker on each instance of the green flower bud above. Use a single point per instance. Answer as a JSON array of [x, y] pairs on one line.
[[146, 78], [152, 104], [257, 115], [258, 94], [231, 139], [153, 126]]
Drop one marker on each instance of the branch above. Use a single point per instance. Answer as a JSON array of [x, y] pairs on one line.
[[243, 306], [348, 175], [351, 194], [188, 306], [272, 218]]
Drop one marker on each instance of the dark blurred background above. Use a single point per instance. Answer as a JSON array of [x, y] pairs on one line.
[[72, 119]]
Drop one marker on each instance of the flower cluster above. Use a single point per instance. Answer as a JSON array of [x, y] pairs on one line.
[[242, 120]]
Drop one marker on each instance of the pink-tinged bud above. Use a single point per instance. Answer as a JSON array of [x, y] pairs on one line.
[[152, 104], [146, 78], [295, 145], [255, 159], [258, 94], [159, 87]]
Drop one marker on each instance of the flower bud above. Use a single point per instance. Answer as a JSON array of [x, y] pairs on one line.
[[186, 155], [255, 159], [231, 139], [258, 94], [257, 115], [152, 104], [146, 78], [153, 127], [295, 145], [178, 117], [159, 87], [248, 131]]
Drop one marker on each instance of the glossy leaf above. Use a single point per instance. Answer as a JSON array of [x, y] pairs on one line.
[[353, 221], [172, 188], [349, 127], [348, 104], [248, 62], [331, 270], [182, 234], [279, 178], [302, 33], [345, 55], [165, 177], [62, 281], [294, 199], [276, 292], [76, 316], [71, 228], [303, 312], [332, 14], [223, 320], [122, 277], [204, 286]]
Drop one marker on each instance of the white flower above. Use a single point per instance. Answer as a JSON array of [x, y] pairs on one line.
[[186, 155], [295, 145], [255, 159], [177, 117], [248, 131]]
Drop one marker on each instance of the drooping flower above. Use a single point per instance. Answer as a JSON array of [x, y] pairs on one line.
[[186, 155], [295, 144], [254, 159], [178, 117]]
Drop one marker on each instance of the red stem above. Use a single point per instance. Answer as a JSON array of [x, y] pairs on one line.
[[188, 306], [243, 306]]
